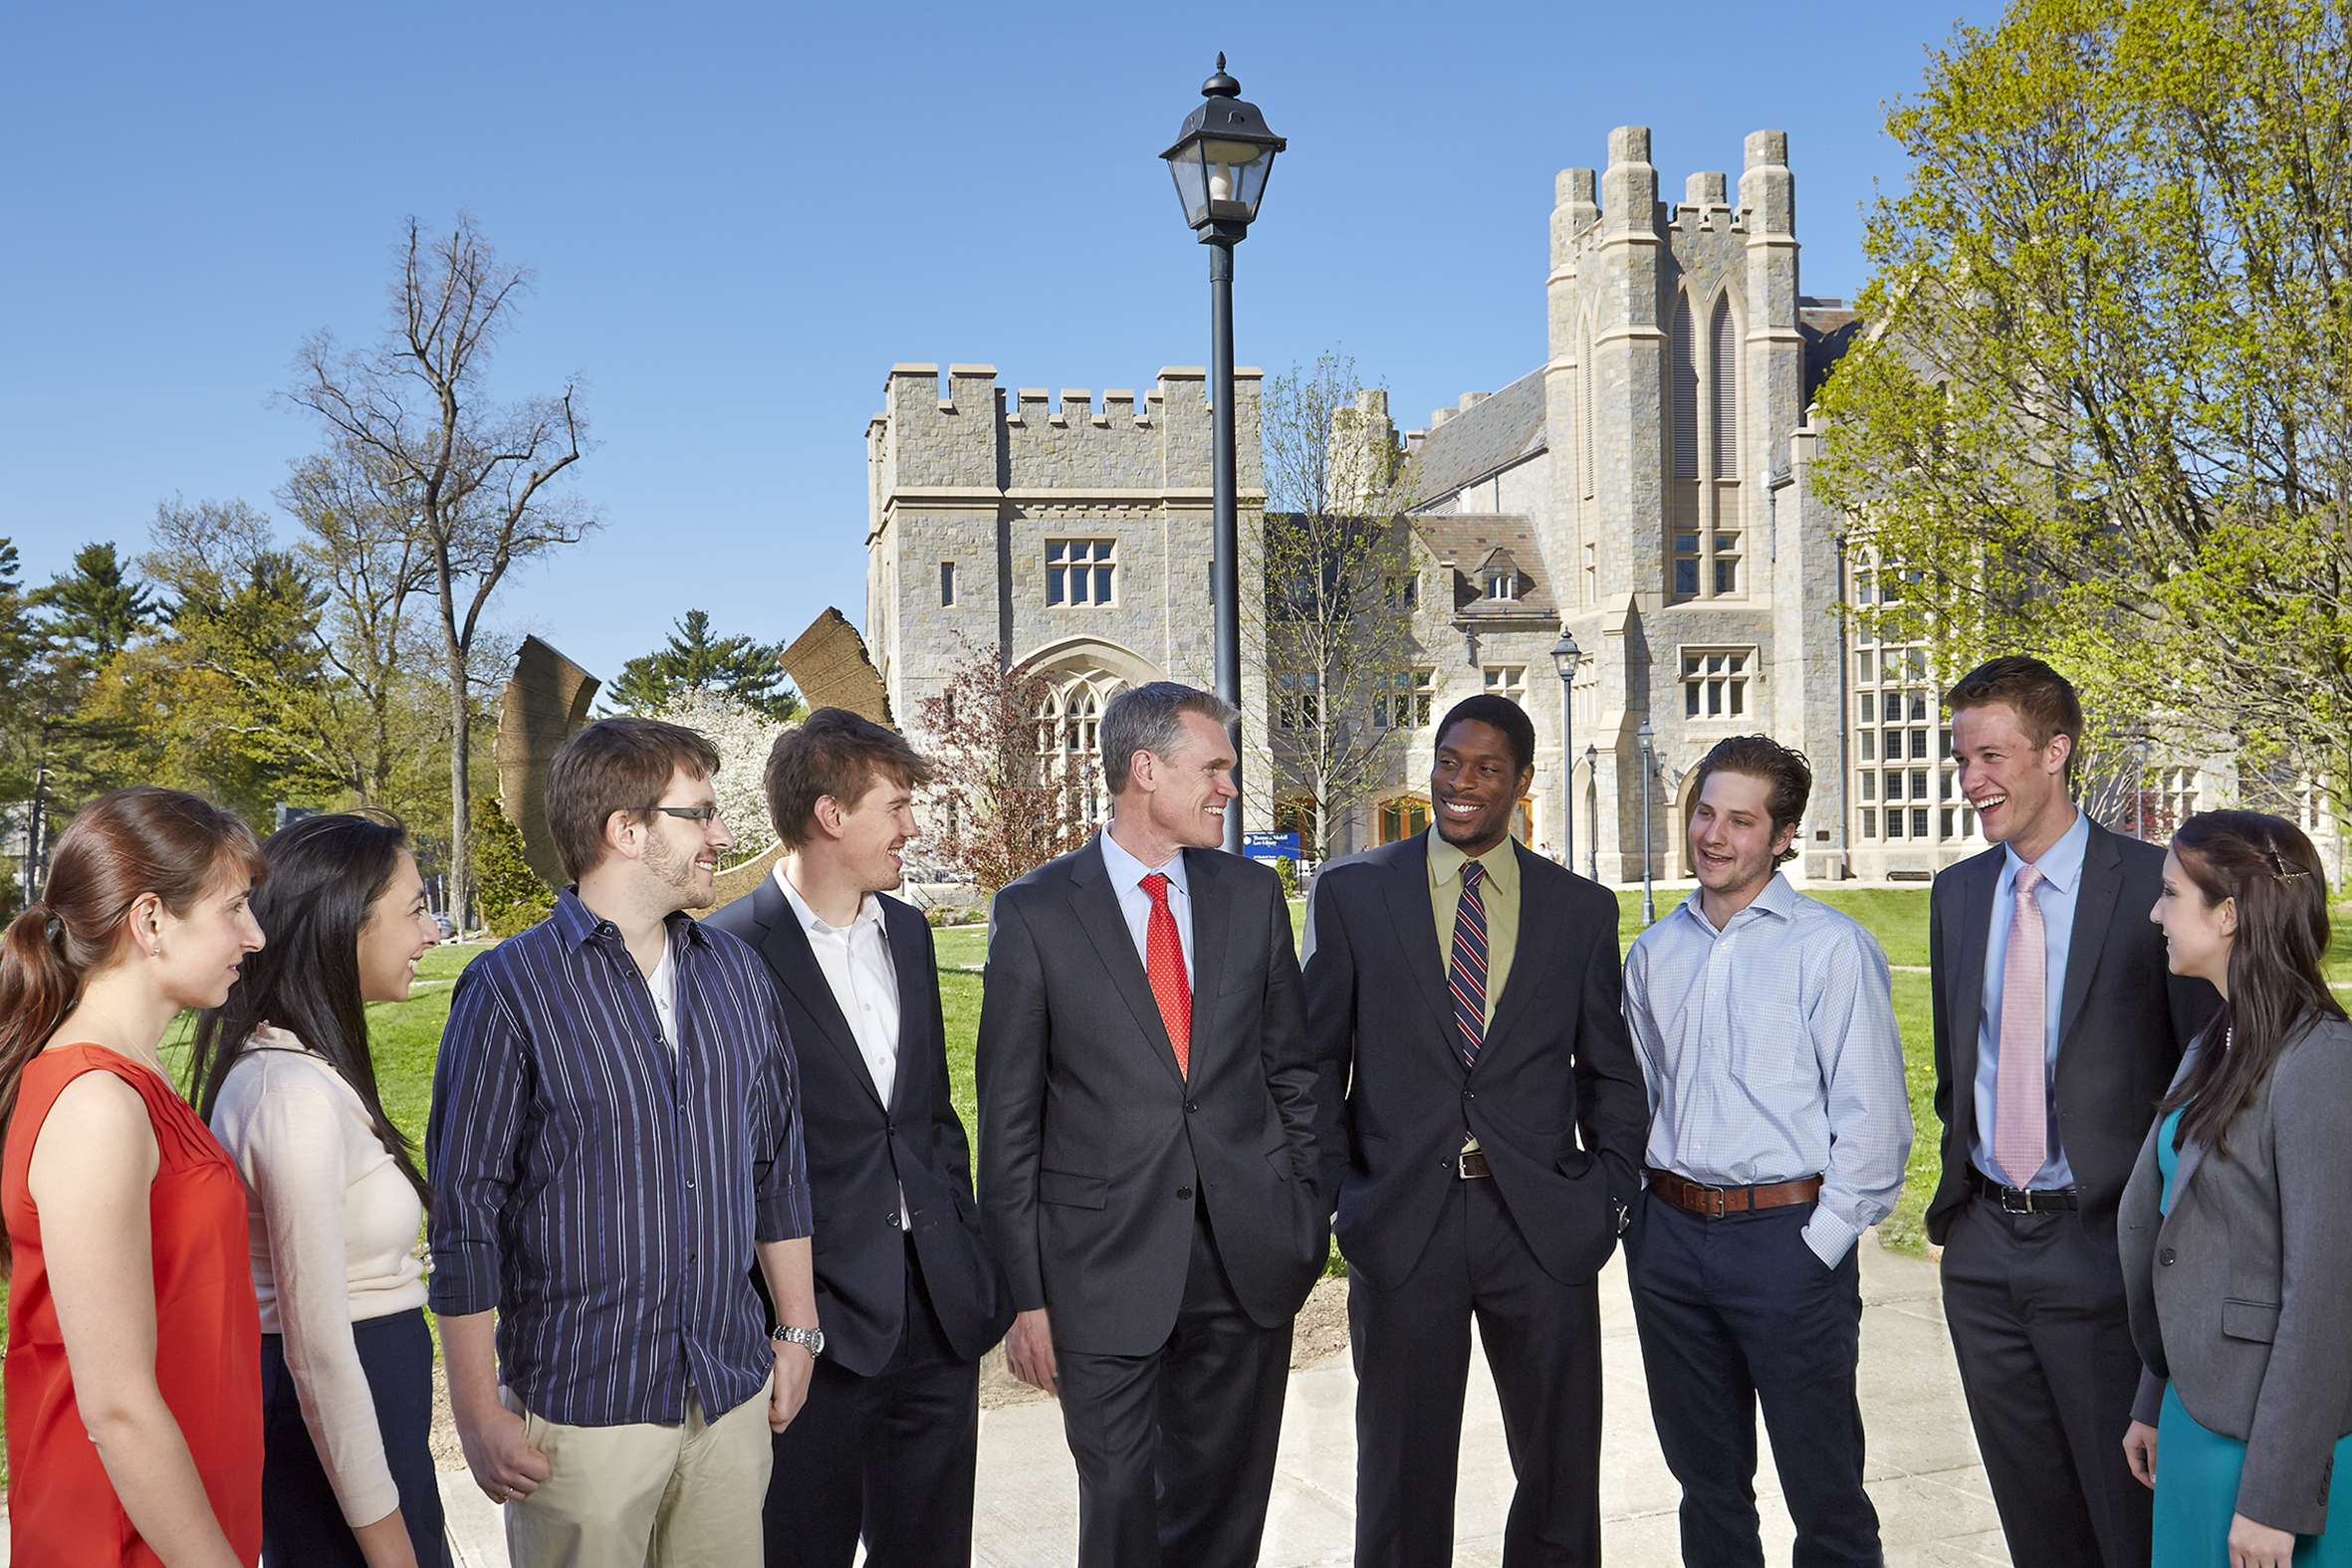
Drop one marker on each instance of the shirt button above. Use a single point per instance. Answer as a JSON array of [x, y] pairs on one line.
[[689, 1184], [1183, 1193]]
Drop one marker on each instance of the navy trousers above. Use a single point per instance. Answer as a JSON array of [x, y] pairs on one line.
[[1734, 1312], [888, 1457], [302, 1525]]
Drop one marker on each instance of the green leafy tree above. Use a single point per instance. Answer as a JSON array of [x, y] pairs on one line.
[[2104, 409], [513, 898], [746, 672]]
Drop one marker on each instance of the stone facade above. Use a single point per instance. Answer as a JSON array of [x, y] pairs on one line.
[[1074, 534]]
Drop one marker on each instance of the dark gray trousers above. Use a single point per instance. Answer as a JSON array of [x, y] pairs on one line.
[[1175, 1449], [2036, 1311]]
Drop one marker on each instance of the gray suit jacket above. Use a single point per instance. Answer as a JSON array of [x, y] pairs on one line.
[[1095, 1151], [2238, 1294]]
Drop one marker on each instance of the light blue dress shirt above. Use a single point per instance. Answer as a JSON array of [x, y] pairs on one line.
[[1126, 880], [1770, 1052], [2061, 869]]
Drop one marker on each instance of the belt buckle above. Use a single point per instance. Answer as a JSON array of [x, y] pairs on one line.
[[2016, 1201], [1462, 1158], [1717, 1200]]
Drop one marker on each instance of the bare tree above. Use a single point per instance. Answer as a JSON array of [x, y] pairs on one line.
[[480, 477], [1003, 801], [1332, 635]]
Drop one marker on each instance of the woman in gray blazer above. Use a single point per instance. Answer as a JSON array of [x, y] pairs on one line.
[[2236, 1231]]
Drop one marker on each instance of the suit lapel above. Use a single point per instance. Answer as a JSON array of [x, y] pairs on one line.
[[905, 925], [1416, 933], [794, 962], [1538, 923], [2094, 918], [1100, 916], [1212, 925]]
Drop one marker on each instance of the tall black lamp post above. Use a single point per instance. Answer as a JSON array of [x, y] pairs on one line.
[[1649, 760], [1565, 654], [1592, 842], [1221, 159]]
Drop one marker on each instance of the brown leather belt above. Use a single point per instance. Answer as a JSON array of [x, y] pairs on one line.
[[1715, 1202], [1471, 1164]]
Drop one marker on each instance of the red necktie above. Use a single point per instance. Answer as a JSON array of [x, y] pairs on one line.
[[1163, 953]]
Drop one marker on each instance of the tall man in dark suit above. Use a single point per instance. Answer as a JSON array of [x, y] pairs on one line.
[[1482, 1123], [1147, 1161], [908, 1298], [2058, 1028]]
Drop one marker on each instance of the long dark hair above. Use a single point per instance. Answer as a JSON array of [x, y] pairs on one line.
[[326, 875], [118, 848], [2267, 865]]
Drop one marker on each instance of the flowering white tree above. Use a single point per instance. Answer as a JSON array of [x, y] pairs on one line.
[[743, 736]]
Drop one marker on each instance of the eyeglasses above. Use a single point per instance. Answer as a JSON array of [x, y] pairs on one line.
[[690, 813]]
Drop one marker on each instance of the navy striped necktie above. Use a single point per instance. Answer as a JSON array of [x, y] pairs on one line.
[[1466, 977]]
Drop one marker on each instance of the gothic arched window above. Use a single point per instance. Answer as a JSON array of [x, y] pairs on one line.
[[1725, 403], [1685, 370]]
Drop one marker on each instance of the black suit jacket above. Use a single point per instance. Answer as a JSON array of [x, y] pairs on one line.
[[861, 1153], [2123, 1019], [1556, 1097], [1094, 1150]]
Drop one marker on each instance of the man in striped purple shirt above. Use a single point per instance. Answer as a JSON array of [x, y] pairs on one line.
[[615, 1135]]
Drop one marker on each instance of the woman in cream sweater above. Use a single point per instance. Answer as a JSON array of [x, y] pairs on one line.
[[334, 1199]]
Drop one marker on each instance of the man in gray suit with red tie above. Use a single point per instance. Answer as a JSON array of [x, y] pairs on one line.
[[1147, 1162], [2057, 1027]]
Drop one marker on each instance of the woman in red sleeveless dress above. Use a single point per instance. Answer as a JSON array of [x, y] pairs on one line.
[[134, 1434]]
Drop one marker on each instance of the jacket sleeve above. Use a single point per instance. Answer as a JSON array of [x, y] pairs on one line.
[[1015, 1051], [1330, 1026], [1951, 1159], [2291, 1447], [482, 1086], [1290, 1064], [2148, 1403], [1612, 1097]]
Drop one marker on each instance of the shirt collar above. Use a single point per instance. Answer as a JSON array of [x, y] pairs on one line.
[[869, 909], [1446, 861], [1775, 898], [2060, 866], [1125, 870], [577, 924]]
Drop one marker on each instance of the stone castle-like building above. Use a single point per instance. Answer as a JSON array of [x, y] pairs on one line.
[[1645, 488]]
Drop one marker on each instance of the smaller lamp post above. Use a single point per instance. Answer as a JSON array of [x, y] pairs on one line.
[[1565, 654], [1592, 840], [1649, 760]]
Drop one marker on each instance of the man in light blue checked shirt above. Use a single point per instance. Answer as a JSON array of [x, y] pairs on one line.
[[1779, 1129]]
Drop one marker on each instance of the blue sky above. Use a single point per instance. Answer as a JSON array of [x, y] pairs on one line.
[[740, 216]]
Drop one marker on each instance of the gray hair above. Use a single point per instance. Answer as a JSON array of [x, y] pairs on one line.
[[1151, 718]]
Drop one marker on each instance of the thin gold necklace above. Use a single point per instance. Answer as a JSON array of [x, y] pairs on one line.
[[147, 1058]]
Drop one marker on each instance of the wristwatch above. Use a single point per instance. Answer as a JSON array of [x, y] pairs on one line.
[[809, 1339]]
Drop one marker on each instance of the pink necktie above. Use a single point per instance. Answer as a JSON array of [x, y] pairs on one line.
[[2021, 1105]]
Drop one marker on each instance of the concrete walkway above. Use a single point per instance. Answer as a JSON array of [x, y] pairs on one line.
[[1924, 1474]]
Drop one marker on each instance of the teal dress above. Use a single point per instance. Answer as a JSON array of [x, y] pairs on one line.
[[2197, 1472]]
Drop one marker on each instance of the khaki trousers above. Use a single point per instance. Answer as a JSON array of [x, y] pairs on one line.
[[645, 1496]]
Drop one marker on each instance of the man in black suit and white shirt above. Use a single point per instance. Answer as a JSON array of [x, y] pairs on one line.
[[2057, 1027], [1483, 1119], [1147, 1166], [909, 1298]]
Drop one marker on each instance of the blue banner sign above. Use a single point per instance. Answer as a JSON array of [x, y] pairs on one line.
[[1271, 846]]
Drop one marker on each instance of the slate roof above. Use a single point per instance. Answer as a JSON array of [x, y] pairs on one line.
[[1475, 443], [1468, 540], [1830, 328]]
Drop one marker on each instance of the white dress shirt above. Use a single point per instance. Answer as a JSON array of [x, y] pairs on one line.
[[1770, 1052], [855, 958], [1126, 880]]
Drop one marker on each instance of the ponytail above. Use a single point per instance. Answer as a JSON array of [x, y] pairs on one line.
[[39, 981]]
